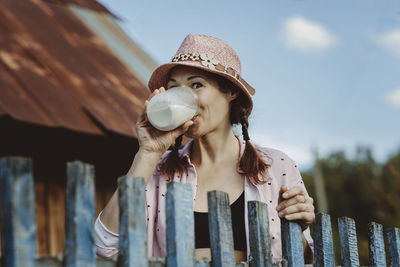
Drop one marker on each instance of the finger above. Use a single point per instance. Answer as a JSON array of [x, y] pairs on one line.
[[307, 217], [182, 129], [143, 116], [299, 207], [155, 92], [146, 103], [292, 201], [281, 191], [292, 192]]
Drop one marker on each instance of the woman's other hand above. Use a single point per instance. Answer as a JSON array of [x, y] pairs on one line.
[[296, 205], [153, 140]]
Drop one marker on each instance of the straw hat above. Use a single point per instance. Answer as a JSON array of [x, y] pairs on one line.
[[207, 53]]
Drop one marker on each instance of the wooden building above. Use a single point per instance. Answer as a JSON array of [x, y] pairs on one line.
[[72, 84]]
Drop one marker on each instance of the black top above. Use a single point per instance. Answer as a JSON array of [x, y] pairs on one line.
[[202, 236]]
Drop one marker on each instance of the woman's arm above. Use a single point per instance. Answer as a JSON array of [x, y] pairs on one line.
[[152, 145], [142, 166]]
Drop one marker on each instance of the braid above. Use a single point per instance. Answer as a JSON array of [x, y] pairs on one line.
[[173, 163], [178, 142], [251, 161], [245, 124]]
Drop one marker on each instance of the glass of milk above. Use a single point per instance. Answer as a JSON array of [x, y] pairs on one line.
[[170, 109]]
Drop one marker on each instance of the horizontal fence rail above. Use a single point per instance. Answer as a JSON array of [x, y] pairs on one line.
[[17, 210]]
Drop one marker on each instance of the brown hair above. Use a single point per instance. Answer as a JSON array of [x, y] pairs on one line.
[[250, 162]]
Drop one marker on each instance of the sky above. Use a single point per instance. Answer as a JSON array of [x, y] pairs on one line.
[[326, 74]]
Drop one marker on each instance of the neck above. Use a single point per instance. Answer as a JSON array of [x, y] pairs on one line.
[[215, 147]]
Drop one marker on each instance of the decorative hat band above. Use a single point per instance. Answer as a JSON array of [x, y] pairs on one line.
[[208, 60]]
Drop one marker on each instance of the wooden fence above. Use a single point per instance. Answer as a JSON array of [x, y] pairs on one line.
[[19, 227]]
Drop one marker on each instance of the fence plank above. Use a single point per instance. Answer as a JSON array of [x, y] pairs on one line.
[[220, 225], [79, 217], [292, 243], [17, 212], [202, 263], [180, 225], [377, 256], [348, 242], [260, 243], [393, 238], [323, 243], [132, 222], [157, 262]]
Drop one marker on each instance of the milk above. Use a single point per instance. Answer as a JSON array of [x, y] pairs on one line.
[[171, 116]]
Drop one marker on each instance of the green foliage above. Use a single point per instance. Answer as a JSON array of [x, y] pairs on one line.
[[362, 189]]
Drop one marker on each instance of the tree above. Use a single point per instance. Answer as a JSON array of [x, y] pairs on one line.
[[362, 189]]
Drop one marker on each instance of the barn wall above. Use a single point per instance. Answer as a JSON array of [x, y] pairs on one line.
[[50, 150]]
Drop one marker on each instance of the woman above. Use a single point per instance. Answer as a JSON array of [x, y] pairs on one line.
[[213, 159]]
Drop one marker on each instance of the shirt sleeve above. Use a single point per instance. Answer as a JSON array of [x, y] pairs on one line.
[[107, 242]]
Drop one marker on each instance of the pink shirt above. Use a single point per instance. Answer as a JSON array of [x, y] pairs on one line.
[[283, 171]]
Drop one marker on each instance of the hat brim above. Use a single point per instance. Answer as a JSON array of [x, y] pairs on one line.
[[159, 77]]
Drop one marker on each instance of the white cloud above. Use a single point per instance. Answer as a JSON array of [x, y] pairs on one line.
[[391, 40], [304, 35], [393, 98]]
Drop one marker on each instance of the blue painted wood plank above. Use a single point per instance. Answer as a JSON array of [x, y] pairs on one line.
[[220, 225], [377, 255], [132, 222], [348, 242], [18, 212], [323, 244], [259, 238], [292, 243], [180, 225], [79, 217], [393, 240], [202, 263], [157, 262]]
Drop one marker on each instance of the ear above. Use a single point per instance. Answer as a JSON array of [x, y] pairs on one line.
[[232, 95]]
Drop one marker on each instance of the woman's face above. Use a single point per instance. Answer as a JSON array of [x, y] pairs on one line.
[[213, 103]]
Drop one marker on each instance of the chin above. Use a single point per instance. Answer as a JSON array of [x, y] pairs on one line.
[[193, 132]]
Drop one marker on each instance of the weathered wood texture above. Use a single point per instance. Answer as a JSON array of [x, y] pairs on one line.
[[79, 241], [377, 255], [393, 238], [348, 242], [180, 226], [292, 243], [132, 222], [323, 241], [259, 238], [220, 225], [19, 230], [17, 212]]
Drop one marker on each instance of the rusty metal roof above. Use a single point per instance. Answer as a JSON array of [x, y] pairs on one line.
[[56, 72], [89, 4]]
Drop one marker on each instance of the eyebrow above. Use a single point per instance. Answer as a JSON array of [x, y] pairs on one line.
[[190, 78]]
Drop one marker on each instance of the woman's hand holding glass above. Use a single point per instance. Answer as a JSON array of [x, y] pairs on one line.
[[152, 140]]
